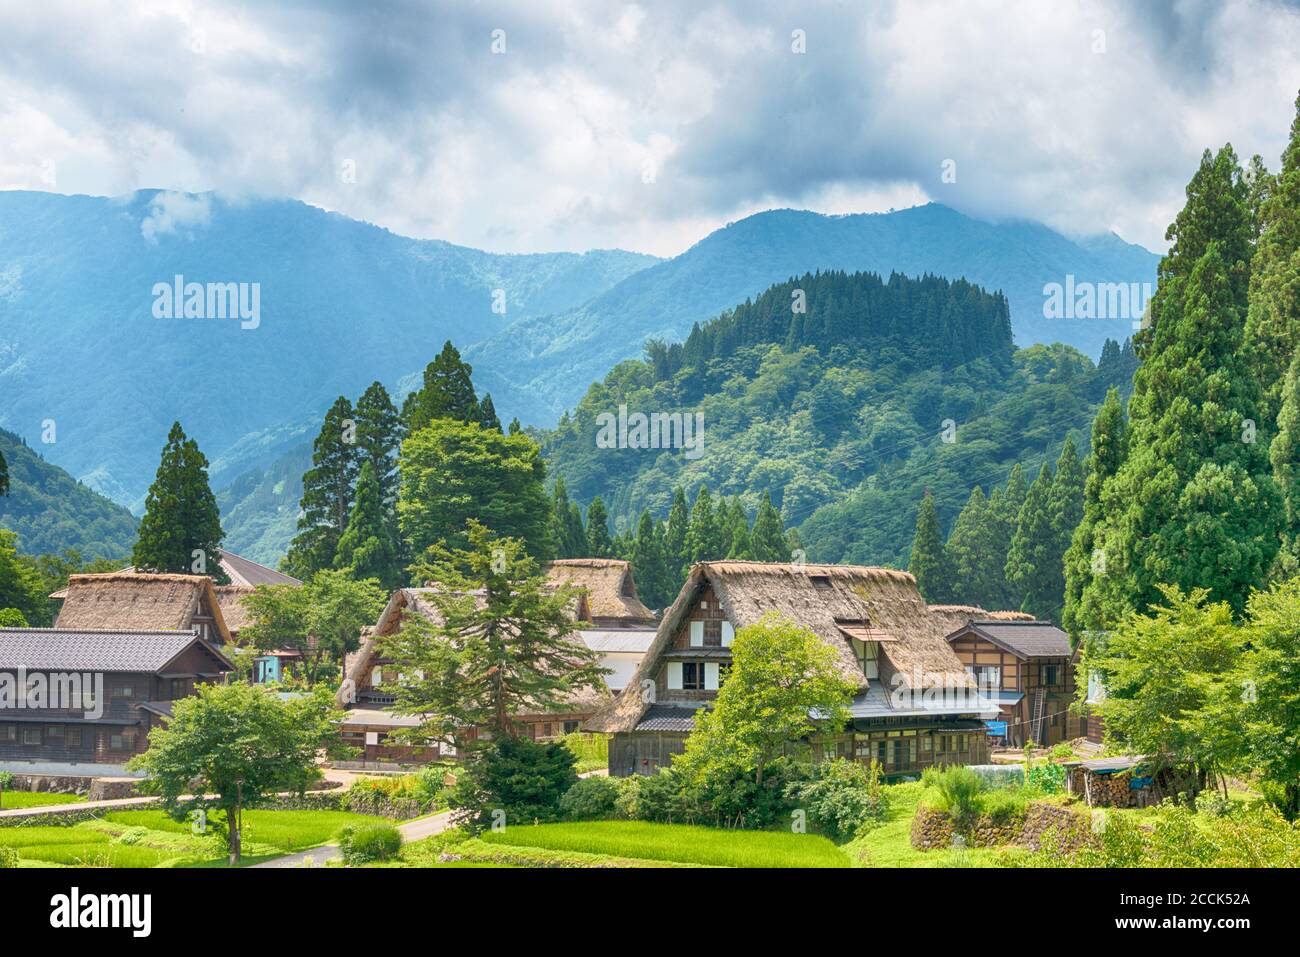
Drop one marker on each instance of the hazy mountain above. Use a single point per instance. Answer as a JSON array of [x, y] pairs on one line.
[[340, 304], [537, 368], [52, 511]]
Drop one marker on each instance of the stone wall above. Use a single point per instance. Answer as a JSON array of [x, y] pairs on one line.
[[933, 829]]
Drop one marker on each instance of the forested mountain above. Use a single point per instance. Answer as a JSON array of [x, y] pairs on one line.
[[845, 412], [341, 303], [539, 367], [51, 511]]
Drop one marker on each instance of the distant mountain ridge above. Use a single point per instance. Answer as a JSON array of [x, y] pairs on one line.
[[342, 303], [540, 367]]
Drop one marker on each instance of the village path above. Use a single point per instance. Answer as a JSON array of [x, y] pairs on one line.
[[416, 830]]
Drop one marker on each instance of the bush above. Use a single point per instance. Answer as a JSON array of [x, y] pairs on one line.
[[8, 857], [590, 799], [654, 797], [371, 842], [1046, 778], [1004, 806], [1061, 752], [409, 795], [843, 798], [1214, 803], [519, 779], [957, 792]]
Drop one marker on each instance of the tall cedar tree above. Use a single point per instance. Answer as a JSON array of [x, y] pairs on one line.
[[379, 436], [1284, 456], [4, 475], [369, 548], [928, 563], [502, 644], [972, 553], [1030, 566], [1085, 560], [676, 533], [599, 544], [181, 528], [706, 537], [1065, 510], [737, 530], [649, 563], [1004, 510], [767, 539], [447, 393], [566, 524], [326, 492], [456, 471], [1194, 504], [1273, 321], [488, 414]]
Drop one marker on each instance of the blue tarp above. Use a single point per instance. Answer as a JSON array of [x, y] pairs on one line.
[[997, 729]]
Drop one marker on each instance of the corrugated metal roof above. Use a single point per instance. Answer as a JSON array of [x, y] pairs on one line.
[[875, 703], [245, 571], [68, 649], [662, 717], [1029, 639], [631, 640]]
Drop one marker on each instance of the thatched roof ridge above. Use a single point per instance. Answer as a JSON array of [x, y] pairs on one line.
[[820, 598], [608, 583], [139, 601]]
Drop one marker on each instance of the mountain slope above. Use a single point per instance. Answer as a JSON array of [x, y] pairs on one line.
[[839, 413], [342, 303], [539, 367], [51, 511]]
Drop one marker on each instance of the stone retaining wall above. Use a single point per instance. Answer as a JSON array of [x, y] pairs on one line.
[[933, 829]]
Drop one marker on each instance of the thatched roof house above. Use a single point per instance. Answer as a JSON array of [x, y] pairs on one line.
[[137, 601], [612, 601], [245, 575], [887, 641]]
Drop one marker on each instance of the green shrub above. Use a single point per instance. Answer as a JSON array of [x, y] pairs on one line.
[[8, 857], [957, 792], [656, 797], [843, 798], [132, 835], [1061, 752], [514, 779], [1005, 805], [369, 842], [590, 799], [1046, 778]]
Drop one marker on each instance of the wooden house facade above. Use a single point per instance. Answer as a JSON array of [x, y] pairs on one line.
[[914, 706], [1027, 667], [103, 689]]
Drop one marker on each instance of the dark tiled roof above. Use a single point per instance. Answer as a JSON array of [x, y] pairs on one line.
[[1029, 639], [244, 571], [662, 717], [76, 649]]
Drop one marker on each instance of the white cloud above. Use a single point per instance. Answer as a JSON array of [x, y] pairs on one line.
[[171, 213]]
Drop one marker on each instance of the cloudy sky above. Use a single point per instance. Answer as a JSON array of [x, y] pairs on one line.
[[573, 125]]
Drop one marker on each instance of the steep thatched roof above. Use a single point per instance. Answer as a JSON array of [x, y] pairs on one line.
[[135, 601], [827, 600], [611, 591], [231, 600]]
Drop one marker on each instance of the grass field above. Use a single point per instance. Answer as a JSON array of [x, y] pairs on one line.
[[678, 843], [152, 839], [12, 800], [890, 844]]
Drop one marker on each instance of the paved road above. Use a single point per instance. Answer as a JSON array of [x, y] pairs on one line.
[[411, 831], [70, 807]]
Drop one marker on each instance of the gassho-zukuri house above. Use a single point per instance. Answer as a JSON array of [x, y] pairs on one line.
[[915, 705]]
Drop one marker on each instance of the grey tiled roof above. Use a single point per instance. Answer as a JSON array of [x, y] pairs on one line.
[[662, 717], [74, 649], [875, 702], [245, 571], [1029, 639]]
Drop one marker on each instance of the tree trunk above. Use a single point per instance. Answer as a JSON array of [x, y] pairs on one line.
[[234, 822]]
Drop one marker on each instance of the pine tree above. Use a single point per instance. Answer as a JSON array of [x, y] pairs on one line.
[[1086, 557], [181, 528], [1065, 510], [706, 538], [379, 436], [928, 563], [566, 524], [1029, 568], [369, 548], [649, 566], [972, 552], [676, 533], [599, 544], [737, 530], [447, 392], [488, 414], [1272, 334], [1284, 456], [326, 492], [1004, 510], [767, 540]]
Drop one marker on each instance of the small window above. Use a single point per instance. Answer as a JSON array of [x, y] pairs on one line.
[[32, 736], [571, 726], [74, 737], [820, 581], [713, 632], [54, 733], [1051, 674], [8, 732], [693, 676]]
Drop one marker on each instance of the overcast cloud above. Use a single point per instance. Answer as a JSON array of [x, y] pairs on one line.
[[646, 125]]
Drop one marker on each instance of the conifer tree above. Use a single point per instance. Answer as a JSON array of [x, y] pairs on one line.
[[4, 475], [599, 543], [379, 436], [1086, 557], [676, 533], [1065, 510], [928, 563], [706, 538], [972, 552], [181, 528], [368, 547], [488, 414], [1029, 563], [447, 392], [1004, 511], [566, 524], [767, 540], [649, 563], [326, 492], [1284, 456], [737, 530]]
